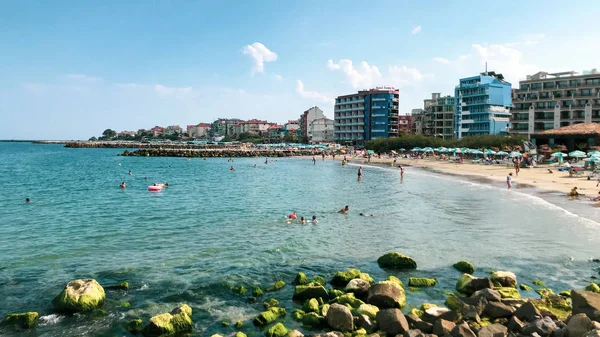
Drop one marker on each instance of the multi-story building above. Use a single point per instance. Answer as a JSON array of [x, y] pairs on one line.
[[275, 134], [405, 123], [366, 115], [174, 129], [547, 101], [224, 127], [307, 118], [417, 117], [439, 119], [482, 105], [321, 130], [201, 130]]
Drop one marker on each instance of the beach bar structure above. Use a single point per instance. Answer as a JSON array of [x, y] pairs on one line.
[[572, 136]]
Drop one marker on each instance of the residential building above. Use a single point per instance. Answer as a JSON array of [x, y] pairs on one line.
[[366, 115], [405, 123], [201, 130], [291, 126], [224, 127], [174, 129], [547, 101], [275, 133], [417, 117], [158, 131], [439, 119], [307, 118], [124, 134], [321, 130], [482, 105]]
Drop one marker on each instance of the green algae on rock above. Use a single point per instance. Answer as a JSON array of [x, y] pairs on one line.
[[366, 277], [312, 319], [396, 280], [225, 323], [240, 334], [311, 305], [80, 296], [465, 267], [557, 305], [341, 278], [239, 324], [125, 304], [257, 291], [544, 292], [269, 316], [301, 279], [271, 302], [240, 290], [350, 299], [179, 320], [565, 293], [525, 287], [426, 306], [311, 290], [538, 283], [593, 287], [119, 286], [26, 320], [277, 330], [368, 310], [319, 280], [134, 326], [421, 282], [508, 292], [298, 314], [276, 286], [395, 260], [453, 303]]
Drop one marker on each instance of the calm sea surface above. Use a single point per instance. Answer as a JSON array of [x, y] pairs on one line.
[[212, 229]]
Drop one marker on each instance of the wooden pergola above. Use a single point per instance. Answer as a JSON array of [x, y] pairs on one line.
[[572, 136]]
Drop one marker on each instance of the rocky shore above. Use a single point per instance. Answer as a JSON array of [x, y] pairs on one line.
[[136, 145], [353, 304], [208, 153]]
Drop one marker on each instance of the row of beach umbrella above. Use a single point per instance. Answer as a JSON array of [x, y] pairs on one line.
[[465, 151]]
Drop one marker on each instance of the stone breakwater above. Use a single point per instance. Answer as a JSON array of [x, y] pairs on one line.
[[208, 153], [138, 145], [353, 304]]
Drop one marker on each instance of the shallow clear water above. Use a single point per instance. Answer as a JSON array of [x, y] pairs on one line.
[[212, 229]]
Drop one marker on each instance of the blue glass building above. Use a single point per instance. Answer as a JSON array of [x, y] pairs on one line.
[[482, 105]]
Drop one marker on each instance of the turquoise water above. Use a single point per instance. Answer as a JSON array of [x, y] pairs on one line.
[[212, 229]]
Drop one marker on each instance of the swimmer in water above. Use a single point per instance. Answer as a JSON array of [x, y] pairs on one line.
[[232, 169], [302, 221], [129, 172], [254, 165], [344, 210], [314, 219], [145, 178], [360, 173], [293, 216], [27, 200], [363, 214], [596, 198], [573, 192], [122, 185]]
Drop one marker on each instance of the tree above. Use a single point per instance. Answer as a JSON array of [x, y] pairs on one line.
[[109, 134], [93, 139], [290, 138]]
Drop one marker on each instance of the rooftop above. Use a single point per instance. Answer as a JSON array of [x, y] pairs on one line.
[[576, 129]]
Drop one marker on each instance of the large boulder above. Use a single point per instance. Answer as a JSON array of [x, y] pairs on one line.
[[277, 330], [417, 323], [505, 278], [301, 279], [508, 292], [586, 302], [489, 294], [579, 325], [386, 295], [527, 312], [368, 310], [392, 321], [462, 330], [498, 310], [493, 330], [341, 278], [177, 321], [442, 327], [543, 327], [270, 315], [80, 296], [340, 318], [358, 286], [421, 282], [467, 284], [515, 324], [396, 261], [25, 321], [465, 267], [311, 290]]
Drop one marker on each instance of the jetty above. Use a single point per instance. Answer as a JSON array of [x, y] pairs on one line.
[[219, 153]]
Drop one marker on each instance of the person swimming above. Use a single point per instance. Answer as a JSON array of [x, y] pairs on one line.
[[363, 214], [232, 169], [314, 219], [145, 178], [293, 216], [302, 220], [130, 173], [123, 185], [344, 210], [254, 165], [27, 200], [595, 198], [573, 192]]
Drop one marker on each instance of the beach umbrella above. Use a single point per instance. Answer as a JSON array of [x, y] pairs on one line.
[[557, 155], [593, 153], [476, 152], [594, 159], [501, 153], [414, 149], [488, 151], [577, 154], [516, 154], [401, 149], [457, 150]]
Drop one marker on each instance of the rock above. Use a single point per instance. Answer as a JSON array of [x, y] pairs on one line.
[[134, 326], [453, 302], [268, 316], [544, 292], [80, 296], [585, 302], [506, 292], [498, 310], [300, 280], [462, 330], [271, 302], [277, 330], [421, 282], [319, 280], [525, 287], [593, 333], [239, 324], [257, 291], [426, 306], [368, 310], [240, 290], [276, 286], [417, 323], [527, 312], [311, 305], [358, 286], [470, 312], [341, 278], [538, 283], [489, 294], [464, 266], [312, 319], [298, 314], [579, 325], [433, 314], [392, 321], [24, 321], [240, 334], [543, 326], [554, 306], [119, 286], [348, 299], [386, 295], [412, 333], [366, 277], [225, 323], [395, 280], [479, 303], [593, 287], [365, 322], [468, 284], [493, 330], [505, 278], [396, 261], [295, 333], [334, 293], [311, 290], [515, 324], [179, 320], [565, 293], [443, 327], [340, 318]]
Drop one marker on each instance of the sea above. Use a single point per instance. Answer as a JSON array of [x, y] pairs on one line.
[[213, 229]]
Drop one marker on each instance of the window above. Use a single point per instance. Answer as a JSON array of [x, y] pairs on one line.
[[563, 84], [574, 83], [536, 85], [544, 94], [549, 85], [586, 92], [592, 81]]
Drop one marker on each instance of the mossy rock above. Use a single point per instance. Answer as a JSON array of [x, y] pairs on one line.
[[313, 320], [277, 330], [359, 332], [416, 312], [239, 324], [414, 289], [508, 292], [349, 299], [311, 290], [257, 292], [270, 303], [341, 278], [538, 283], [557, 305], [178, 321], [396, 280], [421, 282], [324, 309], [333, 293], [426, 306], [301, 279], [311, 305], [124, 304], [80, 296], [276, 286], [266, 317], [544, 292], [225, 323], [240, 334], [298, 314], [368, 310], [453, 303], [119, 286], [465, 267], [25, 321], [395, 260], [319, 280], [485, 322], [134, 326], [525, 287], [240, 290], [366, 277], [593, 287], [565, 293]]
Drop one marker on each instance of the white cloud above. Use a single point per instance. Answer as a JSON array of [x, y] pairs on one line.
[[527, 40], [403, 76], [367, 76], [259, 54], [416, 30], [164, 91], [505, 60], [443, 60], [127, 85], [84, 78], [312, 94], [278, 77]]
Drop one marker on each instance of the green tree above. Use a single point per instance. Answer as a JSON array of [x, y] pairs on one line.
[[93, 139], [109, 134], [290, 138]]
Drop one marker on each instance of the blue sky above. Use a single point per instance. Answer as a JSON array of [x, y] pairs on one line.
[[70, 69]]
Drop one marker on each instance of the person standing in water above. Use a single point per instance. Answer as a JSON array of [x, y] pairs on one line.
[[517, 165], [359, 173], [314, 219], [323, 155], [509, 180], [232, 169], [401, 171], [314, 160], [122, 185]]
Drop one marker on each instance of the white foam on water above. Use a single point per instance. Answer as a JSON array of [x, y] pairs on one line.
[[144, 287], [50, 319]]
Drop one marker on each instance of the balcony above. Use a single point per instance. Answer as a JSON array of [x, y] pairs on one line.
[[350, 102], [350, 116], [379, 115], [468, 121]]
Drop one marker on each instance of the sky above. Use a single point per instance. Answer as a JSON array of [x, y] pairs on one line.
[[71, 69]]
